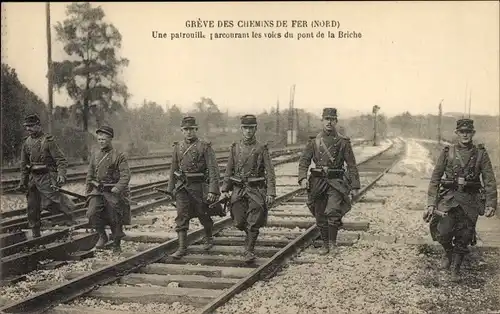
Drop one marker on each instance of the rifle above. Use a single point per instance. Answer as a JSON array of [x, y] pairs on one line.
[[102, 187], [64, 191], [216, 208], [170, 195]]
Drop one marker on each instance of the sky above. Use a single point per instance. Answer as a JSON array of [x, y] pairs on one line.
[[411, 55]]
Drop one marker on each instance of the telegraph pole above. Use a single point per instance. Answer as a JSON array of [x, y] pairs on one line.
[[375, 111], [308, 123], [440, 117], [49, 65], [278, 118]]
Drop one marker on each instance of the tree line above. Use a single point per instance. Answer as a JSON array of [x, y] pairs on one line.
[[91, 76]]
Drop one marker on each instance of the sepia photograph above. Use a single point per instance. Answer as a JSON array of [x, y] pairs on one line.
[[279, 157]]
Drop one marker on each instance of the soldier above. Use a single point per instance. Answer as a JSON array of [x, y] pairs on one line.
[[107, 182], [194, 183], [250, 176], [43, 169], [460, 197], [329, 185]]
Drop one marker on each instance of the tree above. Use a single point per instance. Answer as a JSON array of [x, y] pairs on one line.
[[90, 76], [17, 102], [174, 117]]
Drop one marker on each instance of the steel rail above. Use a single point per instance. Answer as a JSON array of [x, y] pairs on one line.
[[49, 238], [67, 291], [269, 268], [21, 222], [8, 185], [81, 285]]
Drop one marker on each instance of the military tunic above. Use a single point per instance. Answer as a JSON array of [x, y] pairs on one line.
[[191, 157], [249, 159], [39, 151], [463, 206], [108, 166], [328, 198]]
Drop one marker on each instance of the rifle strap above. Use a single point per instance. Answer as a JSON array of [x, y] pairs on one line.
[[321, 143], [186, 151], [241, 165], [101, 161]]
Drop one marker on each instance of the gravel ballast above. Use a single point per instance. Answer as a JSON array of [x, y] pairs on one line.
[[378, 277]]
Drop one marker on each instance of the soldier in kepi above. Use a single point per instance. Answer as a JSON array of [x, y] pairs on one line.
[[194, 184], [455, 201], [108, 191], [329, 185], [43, 170], [250, 176]]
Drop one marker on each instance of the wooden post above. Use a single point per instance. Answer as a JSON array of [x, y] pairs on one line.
[[440, 117], [49, 66]]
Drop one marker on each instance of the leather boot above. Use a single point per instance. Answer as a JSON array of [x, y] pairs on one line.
[[332, 233], [456, 262], [250, 252], [36, 232], [103, 238], [247, 238], [209, 239], [118, 235], [181, 251], [447, 258], [325, 238]]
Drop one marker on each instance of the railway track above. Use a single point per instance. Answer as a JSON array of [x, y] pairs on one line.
[[9, 185], [21, 255], [204, 279], [16, 219]]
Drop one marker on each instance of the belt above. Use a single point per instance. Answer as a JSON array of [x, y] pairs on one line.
[[248, 180], [329, 173], [38, 169], [191, 177]]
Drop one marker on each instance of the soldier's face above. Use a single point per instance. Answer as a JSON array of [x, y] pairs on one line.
[[465, 136], [33, 129], [104, 140], [329, 123], [189, 133], [248, 131]]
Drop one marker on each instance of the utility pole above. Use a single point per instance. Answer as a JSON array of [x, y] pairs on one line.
[[278, 118], [470, 100], [375, 111], [440, 117], [308, 123], [291, 117], [49, 66], [297, 124]]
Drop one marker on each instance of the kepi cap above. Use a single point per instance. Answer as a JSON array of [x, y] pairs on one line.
[[329, 113], [249, 120], [31, 119], [189, 122], [465, 124], [106, 130]]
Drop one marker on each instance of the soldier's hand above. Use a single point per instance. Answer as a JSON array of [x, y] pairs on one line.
[[428, 213], [22, 187], [269, 200], [211, 197], [304, 184], [225, 195], [354, 193], [490, 211], [115, 190], [61, 180]]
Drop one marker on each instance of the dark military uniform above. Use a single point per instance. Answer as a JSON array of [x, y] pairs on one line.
[[250, 176], [458, 196], [42, 161], [108, 168], [329, 184], [194, 173]]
